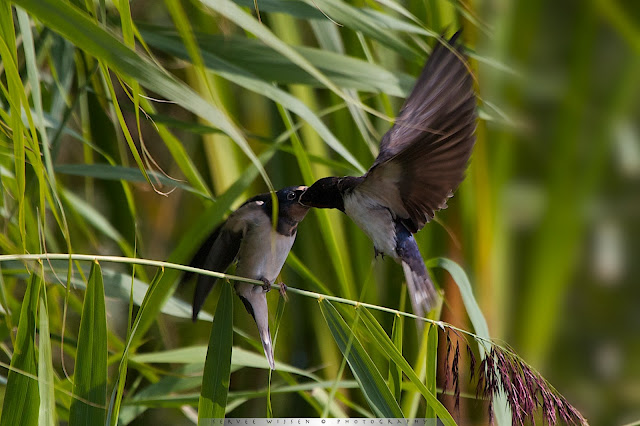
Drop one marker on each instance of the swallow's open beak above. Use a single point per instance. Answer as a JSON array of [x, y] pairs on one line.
[[302, 195]]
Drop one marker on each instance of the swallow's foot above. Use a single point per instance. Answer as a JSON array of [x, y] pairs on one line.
[[266, 286], [283, 291], [378, 253]]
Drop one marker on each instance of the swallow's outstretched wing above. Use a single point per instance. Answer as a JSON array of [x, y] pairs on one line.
[[424, 155]]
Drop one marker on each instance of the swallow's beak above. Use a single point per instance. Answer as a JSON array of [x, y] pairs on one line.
[[302, 196]]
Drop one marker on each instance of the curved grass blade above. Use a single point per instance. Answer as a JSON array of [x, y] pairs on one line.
[[379, 336], [168, 399], [372, 384], [235, 14], [196, 354], [90, 375], [94, 217], [129, 174], [21, 398], [267, 64], [79, 29], [471, 305], [11, 93], [295, 8], [215, 379], [354, 18], [247, 80]]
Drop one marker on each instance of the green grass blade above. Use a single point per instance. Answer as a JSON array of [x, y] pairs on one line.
[[298, 9], [431, 365], [168, 398], [221, 52], [87, 35], [34, 80], [235, 14], [471, 305], [117, 285], [21, 397], [379, 336], [215, 380], [12, 95], [90, 376], [47, 412], [355, 19], [249, 81], [364, 370], [196, 354], [129, 174], [395, 372]]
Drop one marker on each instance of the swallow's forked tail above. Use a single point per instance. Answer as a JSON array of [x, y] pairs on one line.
[[255, 301], [421, 290]]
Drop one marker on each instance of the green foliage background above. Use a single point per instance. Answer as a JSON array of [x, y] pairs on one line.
[[212, 103]]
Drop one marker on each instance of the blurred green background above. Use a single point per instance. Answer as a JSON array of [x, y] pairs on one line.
[[545, 225]]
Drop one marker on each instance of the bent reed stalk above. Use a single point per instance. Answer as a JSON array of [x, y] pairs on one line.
[[177, 266], [501, 370]]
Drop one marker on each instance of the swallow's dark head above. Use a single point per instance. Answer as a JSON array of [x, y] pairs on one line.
[[325, 193], [289, 203]]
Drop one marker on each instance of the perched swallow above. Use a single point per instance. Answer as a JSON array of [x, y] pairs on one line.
[[422, 160], [248, 235]]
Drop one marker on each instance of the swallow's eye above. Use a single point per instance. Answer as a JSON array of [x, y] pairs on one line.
[[291, 195]]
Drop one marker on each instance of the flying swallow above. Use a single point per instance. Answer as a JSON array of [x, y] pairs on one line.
[[422, 161]]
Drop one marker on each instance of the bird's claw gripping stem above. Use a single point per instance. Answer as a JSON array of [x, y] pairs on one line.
[[283, 291]]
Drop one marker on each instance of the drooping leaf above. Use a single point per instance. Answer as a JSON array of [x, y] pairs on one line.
[[471, 305]]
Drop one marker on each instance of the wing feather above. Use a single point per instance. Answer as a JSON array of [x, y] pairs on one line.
[[425, 154], [217, 253]]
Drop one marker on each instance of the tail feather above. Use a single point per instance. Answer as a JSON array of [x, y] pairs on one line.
[[203, 288], [255, 301], [265, 337], [421, 289]]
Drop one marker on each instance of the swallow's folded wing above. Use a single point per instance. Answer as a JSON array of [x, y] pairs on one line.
[[221, 248]]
